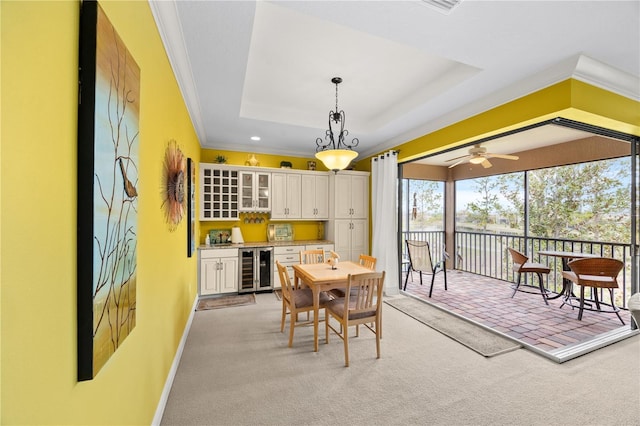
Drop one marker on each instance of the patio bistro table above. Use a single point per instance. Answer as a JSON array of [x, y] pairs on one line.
[[566, 257], [320, 277]]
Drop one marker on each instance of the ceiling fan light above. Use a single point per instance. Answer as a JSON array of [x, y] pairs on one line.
[[336, 159], [476, 160]]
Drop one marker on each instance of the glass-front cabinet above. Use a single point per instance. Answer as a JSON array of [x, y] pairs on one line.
[[255, 190]]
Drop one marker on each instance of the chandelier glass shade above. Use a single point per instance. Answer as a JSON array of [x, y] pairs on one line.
[[333, 151]]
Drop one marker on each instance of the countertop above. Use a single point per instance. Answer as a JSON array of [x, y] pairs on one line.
[[251, 244]]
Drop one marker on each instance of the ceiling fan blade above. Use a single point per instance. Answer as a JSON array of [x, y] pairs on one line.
[[486, 164], [457, 158], [464, 160], [505, 156]]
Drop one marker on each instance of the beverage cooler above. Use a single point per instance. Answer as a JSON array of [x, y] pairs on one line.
[[256, 269]]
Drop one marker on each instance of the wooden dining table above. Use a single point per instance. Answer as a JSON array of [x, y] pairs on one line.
[[566, 256], [321, 277]]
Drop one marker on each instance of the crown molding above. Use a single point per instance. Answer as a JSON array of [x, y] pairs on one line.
[[168, 23]]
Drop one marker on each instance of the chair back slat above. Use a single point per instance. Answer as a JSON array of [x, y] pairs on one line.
[[312, 256], [368, 261], [364, 294]]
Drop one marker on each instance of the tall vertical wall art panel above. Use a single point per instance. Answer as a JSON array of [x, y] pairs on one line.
[[108, 164]]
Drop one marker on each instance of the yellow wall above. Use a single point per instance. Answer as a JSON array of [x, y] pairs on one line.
[[570, 99], [39, 57]]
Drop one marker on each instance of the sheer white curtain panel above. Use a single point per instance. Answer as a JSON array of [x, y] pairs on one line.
[[384, 215]]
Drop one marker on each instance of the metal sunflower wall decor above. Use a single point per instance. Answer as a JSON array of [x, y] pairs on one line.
[[173, 194]]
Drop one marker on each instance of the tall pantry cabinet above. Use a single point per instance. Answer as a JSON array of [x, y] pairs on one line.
[[348, 225]]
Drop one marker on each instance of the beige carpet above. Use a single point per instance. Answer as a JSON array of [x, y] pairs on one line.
[[472, 336], [226, 301], [236, 369]]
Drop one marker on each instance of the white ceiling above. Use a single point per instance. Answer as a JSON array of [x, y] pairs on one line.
[[263, 69]]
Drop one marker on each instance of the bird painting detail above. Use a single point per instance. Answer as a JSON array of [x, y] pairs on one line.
[[129, 188]]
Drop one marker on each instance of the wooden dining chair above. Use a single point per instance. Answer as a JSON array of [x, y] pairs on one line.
[[295, 301], [521, 265], [312, 256], [361, 305], [597, 273], [420, 261], [364, 260]]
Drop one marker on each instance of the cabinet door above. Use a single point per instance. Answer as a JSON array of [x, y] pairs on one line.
[[293, 196], [247, 184], [255, 188], [342, 196], [342, 239], [308, 197], [263, 191], [359, 239], [228, 275], [359, 196], [278, 196], [315, 197], [285, 196], [322, 197], [209, 276]]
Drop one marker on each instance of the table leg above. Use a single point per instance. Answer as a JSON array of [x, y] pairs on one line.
[[316, 308], [566, 284]]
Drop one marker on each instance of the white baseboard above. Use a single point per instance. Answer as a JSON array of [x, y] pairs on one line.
[[174, 368]]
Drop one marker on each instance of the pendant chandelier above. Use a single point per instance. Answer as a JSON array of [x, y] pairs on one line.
[[333, 151]]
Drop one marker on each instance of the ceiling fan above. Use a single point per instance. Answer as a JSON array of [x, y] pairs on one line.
[[479, 155]]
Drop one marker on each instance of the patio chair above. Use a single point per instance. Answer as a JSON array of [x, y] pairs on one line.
[[597, 273], [521, 265], [362, 305], [420, 261], [295, 301]]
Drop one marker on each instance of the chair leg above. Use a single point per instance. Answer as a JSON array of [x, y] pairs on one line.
[[613, 306], [407, 277], [326, 326], [420, 277], [542, 290], [517, 285], [378, 335], [345, 337], [581, 303], [433, 278], [284, 314], [292, 326], [444, 271]]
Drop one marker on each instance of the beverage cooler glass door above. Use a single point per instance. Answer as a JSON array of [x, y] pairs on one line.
[[246, 281], [265, 260]]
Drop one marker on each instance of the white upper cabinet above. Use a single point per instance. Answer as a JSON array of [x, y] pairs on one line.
[[285, 196], [315, 196], [255, 191], [350, 195]]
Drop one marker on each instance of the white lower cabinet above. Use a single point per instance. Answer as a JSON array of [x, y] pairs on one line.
[[350, 237], [218, 271], [287, 256]]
